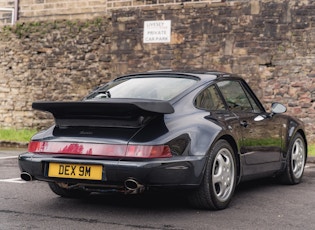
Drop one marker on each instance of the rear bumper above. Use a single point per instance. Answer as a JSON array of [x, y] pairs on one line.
[[183, 171]]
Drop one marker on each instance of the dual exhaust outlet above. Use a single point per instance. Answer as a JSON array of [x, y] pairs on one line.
[[132, 186]]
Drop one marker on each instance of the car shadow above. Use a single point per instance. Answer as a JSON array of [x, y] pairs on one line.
[[253, 185], [166, 200], [250, 193], [156, 200]]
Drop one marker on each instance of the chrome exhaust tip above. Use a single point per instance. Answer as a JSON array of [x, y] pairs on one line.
[[133, 186], [26, 176]]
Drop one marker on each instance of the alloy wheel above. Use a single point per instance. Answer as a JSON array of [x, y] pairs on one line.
[[223, 174], [298, 158]]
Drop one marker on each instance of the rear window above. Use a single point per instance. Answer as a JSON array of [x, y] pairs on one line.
[[158, 88]]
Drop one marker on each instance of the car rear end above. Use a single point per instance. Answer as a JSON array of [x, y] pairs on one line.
[[111, 145]]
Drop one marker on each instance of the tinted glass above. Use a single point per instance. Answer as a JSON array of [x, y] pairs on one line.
[[159, 88], [209, 99], [235, 96], [253, 103]]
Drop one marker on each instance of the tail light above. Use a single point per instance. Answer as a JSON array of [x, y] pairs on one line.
[[131, 151]]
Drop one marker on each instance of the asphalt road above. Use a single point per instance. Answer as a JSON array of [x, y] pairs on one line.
[[262, 204]]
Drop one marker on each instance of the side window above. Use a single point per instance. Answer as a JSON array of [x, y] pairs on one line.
[[209, 99], [253, 103], [235, 96]]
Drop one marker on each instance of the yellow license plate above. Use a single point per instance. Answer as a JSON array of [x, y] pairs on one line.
[[75, 171]]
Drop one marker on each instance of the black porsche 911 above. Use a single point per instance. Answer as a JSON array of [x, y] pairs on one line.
[[202, 132]]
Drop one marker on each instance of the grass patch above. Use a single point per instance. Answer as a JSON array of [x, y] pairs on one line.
[[16, 135], [311, 150]]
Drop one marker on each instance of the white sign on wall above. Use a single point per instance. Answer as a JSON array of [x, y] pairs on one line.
[[157, 31]]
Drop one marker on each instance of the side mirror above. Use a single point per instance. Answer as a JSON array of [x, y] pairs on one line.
[[275, 108], [278, 108]]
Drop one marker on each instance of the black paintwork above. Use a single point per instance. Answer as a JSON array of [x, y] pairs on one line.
[[189, 131]]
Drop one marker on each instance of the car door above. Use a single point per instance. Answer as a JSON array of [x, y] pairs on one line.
[[260, 146]]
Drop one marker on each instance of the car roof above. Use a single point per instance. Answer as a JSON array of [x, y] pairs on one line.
[[204, 75]]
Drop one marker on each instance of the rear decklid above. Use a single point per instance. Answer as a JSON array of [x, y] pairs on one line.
[[103, 128]]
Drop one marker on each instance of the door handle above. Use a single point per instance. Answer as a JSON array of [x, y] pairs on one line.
[[244, 123]]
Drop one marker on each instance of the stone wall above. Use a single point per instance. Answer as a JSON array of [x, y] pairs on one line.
[[31, 10], [85, 9], [271, 43]]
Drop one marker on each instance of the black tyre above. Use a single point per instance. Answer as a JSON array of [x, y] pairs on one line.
[[68, 193], [219, 181], [296, 158]]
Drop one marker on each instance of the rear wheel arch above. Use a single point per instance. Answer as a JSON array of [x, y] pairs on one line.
[[300, 131]]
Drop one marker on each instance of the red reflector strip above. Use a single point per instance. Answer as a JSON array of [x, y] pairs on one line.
[[138, 151]]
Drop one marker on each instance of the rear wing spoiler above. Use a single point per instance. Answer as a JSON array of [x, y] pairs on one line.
[[104, 113]]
